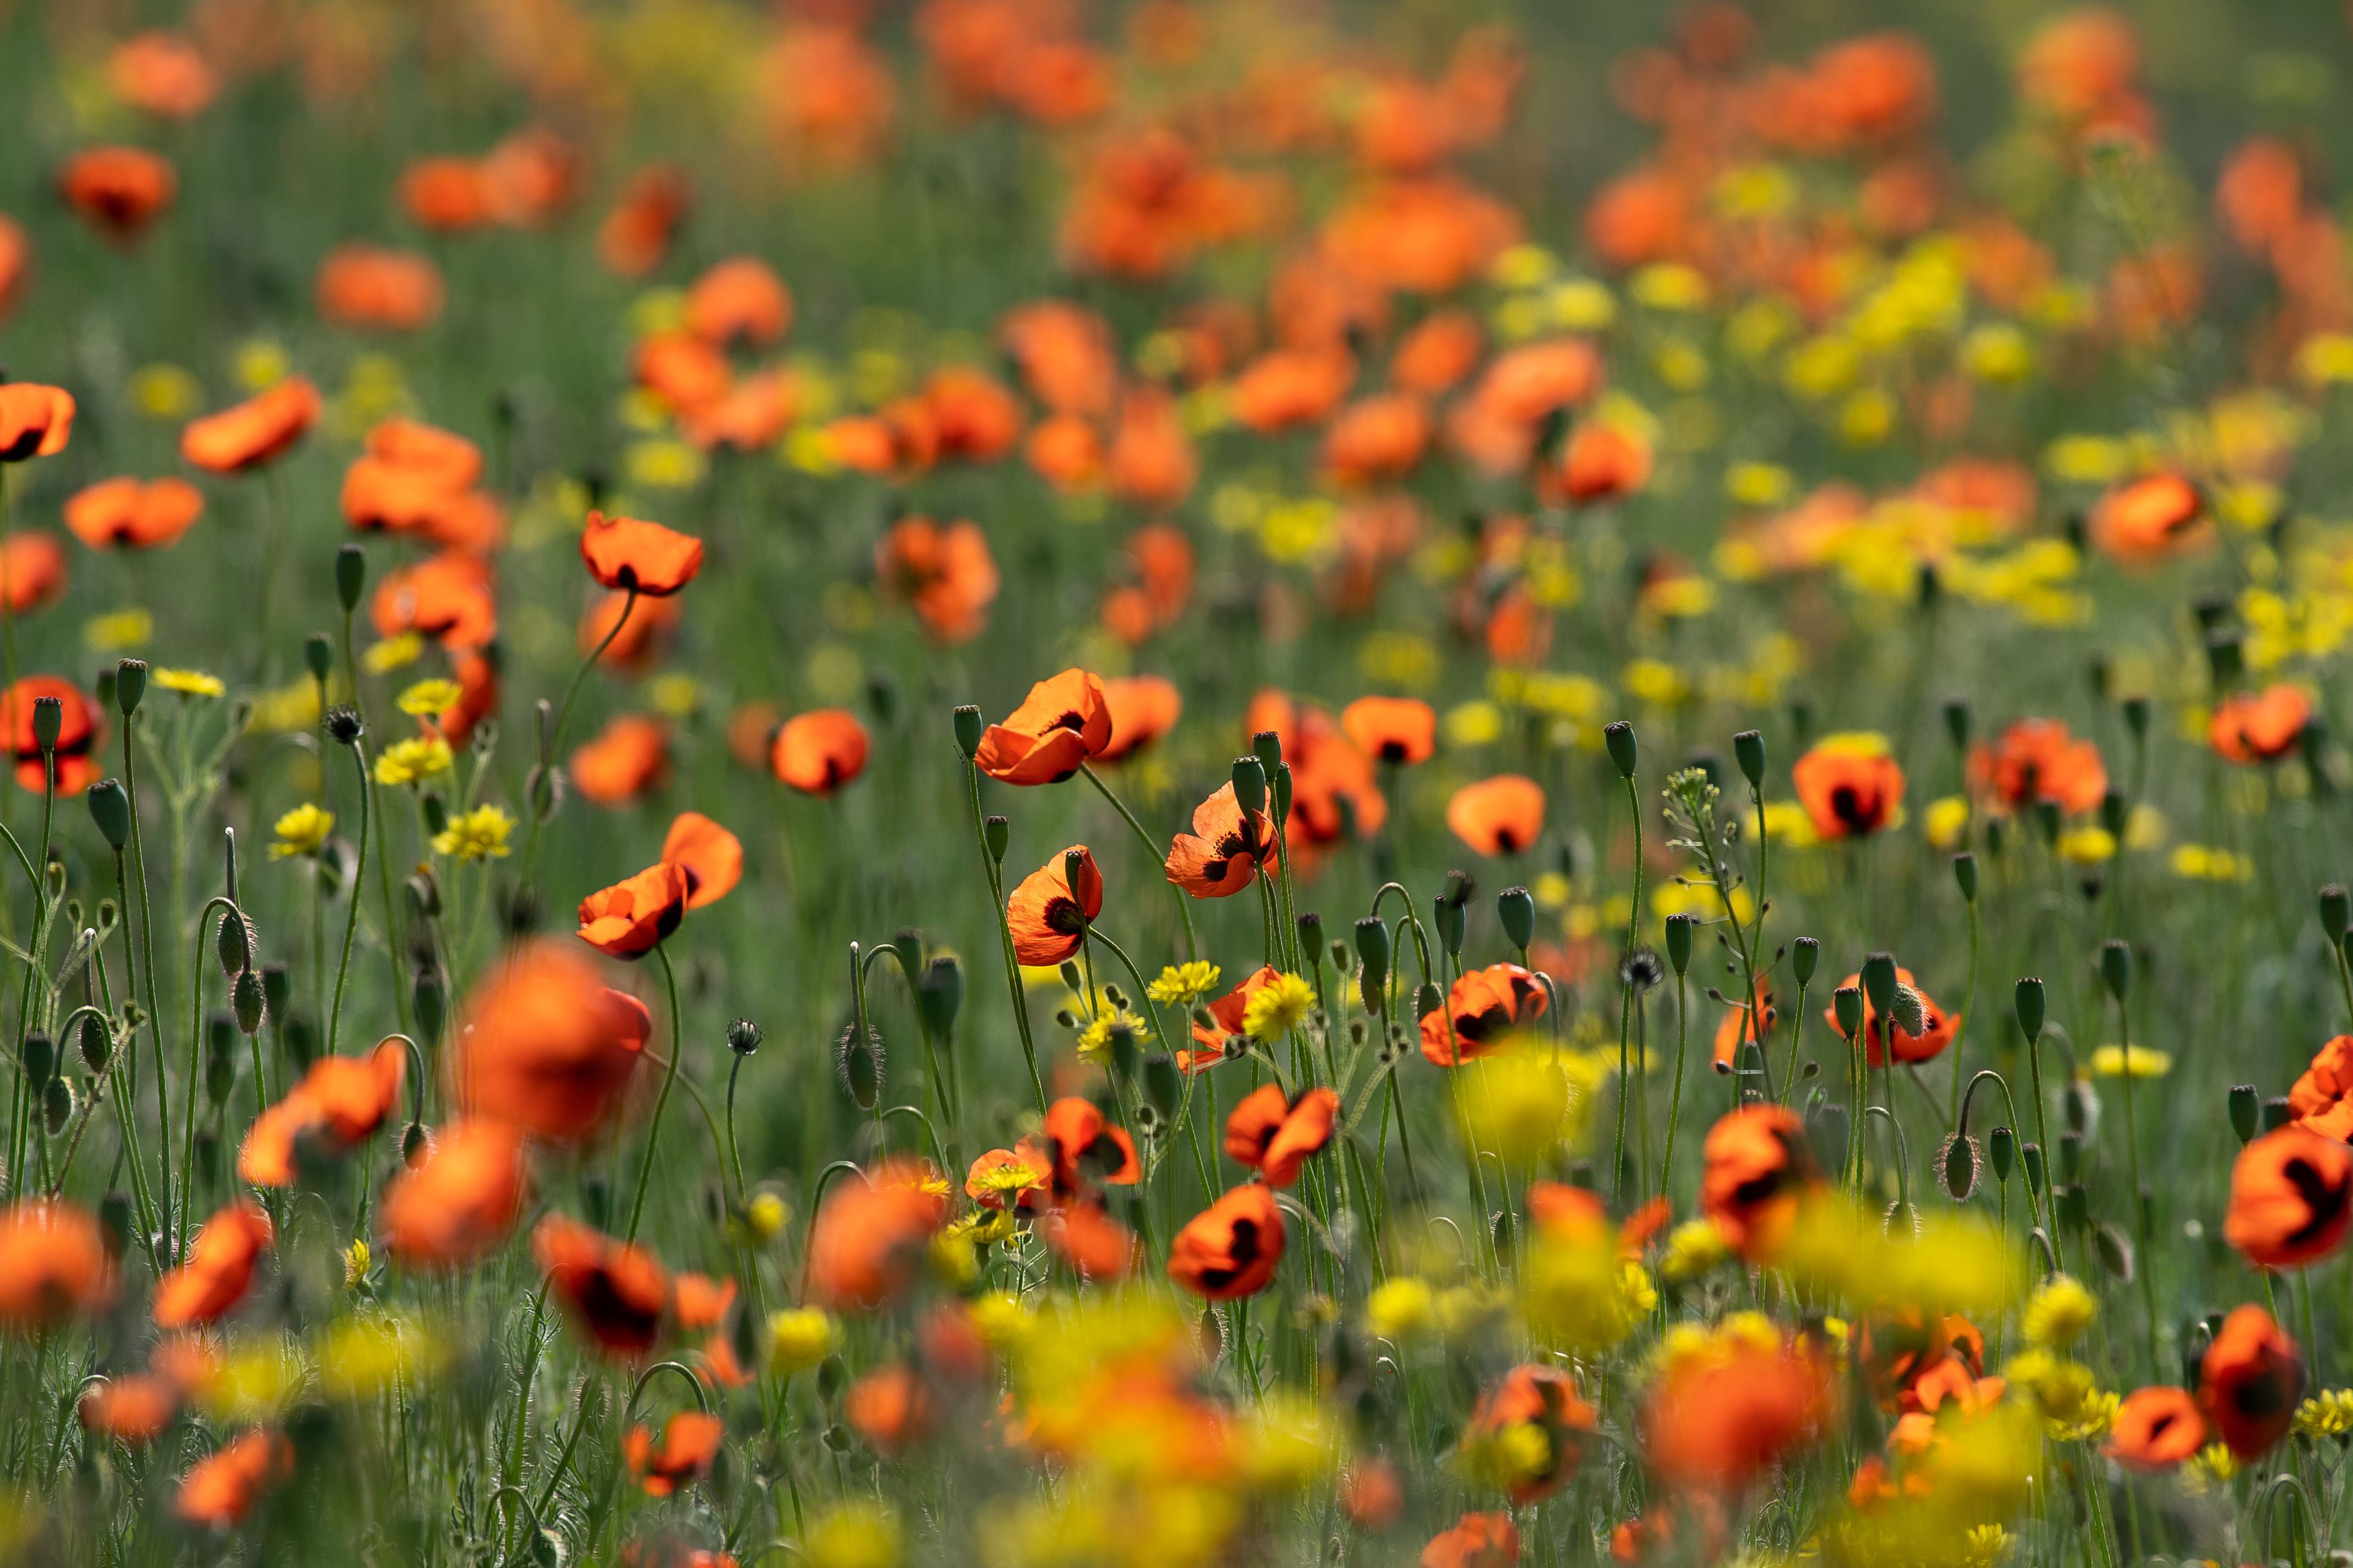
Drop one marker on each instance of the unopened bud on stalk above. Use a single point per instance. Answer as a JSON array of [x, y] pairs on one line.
[[1372, 947], [939, 995], [130, 685], [996, 834], [2246, 1108], [1679, 942], [2336, 912], [1427, 1000], [2225, 659], [1310, 936], [1965, 874], [1804, 954], [1957, 722], [2113, 812], [1879, 981], [38, 1055], [1748, 750], [1516, 909], [1266, 745], [1281, 793], [745, 1037], [2030, 1004], [350, 575], [2037, 1178], [1846, 1006], [1619, 738], [432, 1003], [56, 1106], [2136, 711], [2277, 1113], [1447, 916], [969, 729], [1250, 783], [2001, 1152], [48, 721], [2116, 967], [109, 808], [277, 990], [319, 657], [246, 1002]]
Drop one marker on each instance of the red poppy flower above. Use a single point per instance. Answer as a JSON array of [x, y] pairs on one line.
[[2259, 727], [129, 512], [816, 753], [118, 191], [32, 570], [1482, 1008], [219, 1491], [53, 1265], [1229, 1250], [133, 1410], [1543, 1397], [712, 857], [2149, 519], [1716, 1425], [741, 298], [1143, 709], [944, 570], [341, 1101], [1047, 914], [627, 553], [254, 432], [543, 1044], [1604, 463], [371, 288], [1474, 1541], [1225, 850], [635, 234], [1400, 731], [2322, 1095], [1849, 789], [689, 1442], [1003, 1173], [616, 1290], [446, 195], [1066, 355], [2250, 1382], [449, 597], [1151, 462], [162, 73], [889, 1407], [1086, 1148], [628, 757], [2156, 1429], [459, 1201], [218, 1270], [78, 734], [1063, 722], [2291, 1198], [1892, 1038], [1378, 439], [1757, 1168], [1092, 1243], [1438, 352], [977, 418], [16, 263], [869, 1235], [1501, 815], [2036, 760], [631, 917], [1275, 1136], [35, 420], [1227, 1015]]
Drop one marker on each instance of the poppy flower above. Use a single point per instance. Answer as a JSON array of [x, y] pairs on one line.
[[1716, 1423], [615, 1291], [1065, 354], [1501, 815], [1063, 722], [1850, 785], [1002, 1173], [118, 191], [1151, 462], [341, 1101], [1290, 388], [1067, 453], [218, 1270], [53, 1265], [624, 760], [2250, 1382], [2156, 1429], [1227, 1017], [16, 263], [635, 234], [1096, 1245], [2322, 1096], [2037, 760], [889, 1407], [869, 1235], [977, 418], [2291, 1198], [1225, 850], [1228, 1251], [1378, 439], [1438, 352], [739, 299], [1143, 709], [627, 552], [942, 571], [631, 917], [162, 74], [256, 431], [450, 598], [818, 752], [531, 177], [2259, 727], [32, 570], [1087, 1147], [689, 1442], [1881, 1040], [1474, 1541], [1532, 1394], [408, 476], [457, 1202], [78, 734], [1481, 1010], [681, 370], [132, 513], [1400, 731], [545, 1044], [1740, 1025], [712, 857], [1757, 1168], [131, 1410], [35, 420], [447, 195], [754, 413], [218, 1492], [1604, 463], [1274, 1135], [2148, 519], [1049, 914], [372, 288]]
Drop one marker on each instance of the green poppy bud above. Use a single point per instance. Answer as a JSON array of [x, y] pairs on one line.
[[1965, 874], [939, 995], [350, 575], [968, 729], [1879, 981], [1679, 941], [319, 657], [2246, 1107], [2030, 1004], [1748, 750], [1250, 783], [1516, 909], [109, 807], [246, 1002], [996, 834], [1957, 722], [2116, 967], [2336, 912], [1266, 745], [130, 685], [1619, 738], [1804, 954], [1846, 1006]]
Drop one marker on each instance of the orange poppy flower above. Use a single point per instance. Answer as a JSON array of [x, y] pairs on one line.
[[255, 432], [1162, 554], [531, 177], [631, 917], [1903, 1045], [629, 644], [148, 515], [628, 757], [754, 413], [868, 1236], [1400, 731], [2322, 1095], [341, 1101], [1086, 1147], [1474, 1541], [1482, 1008], [118, 191], [373, 288], [131, 1410], [409, 473], [740, 298], [1063, 722], [162, 74], [681, 370], [2260, 727], [2250, 1382], [1275, 1136], [944, 570], [1049, 916], [1003, 1173], [712, 857], [1501, 815], [2149, 519], [1067, 453], [636, 235], [1740, 1024], [1438, 352], [2156, 1429], [889, 1407], [2291, 1198], [32, 570], [615, 1291], [1603, 463], [976, 415], [1378, 439], [78, 734], [446, 195], [1291, 387], [16, 263], [1371, 1494], [818, 752], [450, 598], [1143, 709], [1066, 355], [1229, 1250], [1850, 790], [545, 1044], [689, 1442], [1526, 384], [1092, 1243], [219, 1491], [627, 553], [218, 1270], [1716, 1424], [2036, 760], [1225, 1022], [1152, 462], [53, 1265], [459, 1201], [35, 420], [1757, 1169], [1543, 1398], [1226, 848]]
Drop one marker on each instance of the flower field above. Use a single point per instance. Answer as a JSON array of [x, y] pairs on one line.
[[1154, 783]]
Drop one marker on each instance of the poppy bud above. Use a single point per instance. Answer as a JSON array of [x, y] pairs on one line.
[[995, 833], [2114, 811], [1517, 911], [1826, 1133], [277, 988], [969, 729], [432, 1003], [1804, 954], [1995, 834], [38, 1056], [2071, 1156], [1339, 956], [56, 1106], [233, 944], [344, 725], [2074, 1207], [1310, 936], [130, 685], [2030, 1008], [1250, 783], [2277, 1113], [882, 695], [1266, 745], [435, 810], [1879, 981], [245, 1000], [1283, 799], [319, 657], [2116, 967], [859, 1063], [48, 721], [1162, 1088], [1964, 873], [1748, 750], [2136, 711], [2246, 1105], [2031, 1156], [2336, 912], [97, 1042], [2001, 1152], [520, 908], [1679, 940], [350, 575], [1846, 1005], [830, 1375], [1618, 736], [1957, 1162], [114, 1224], [2224, 658], [939, 995], [1447, 916], [220, 1080], [1071, 978], [1957, 722], [109, 807]]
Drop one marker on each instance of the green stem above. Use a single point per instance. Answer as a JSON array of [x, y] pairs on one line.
[[653, 1129]]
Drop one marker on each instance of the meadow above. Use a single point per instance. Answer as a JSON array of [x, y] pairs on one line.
[[887, 782]]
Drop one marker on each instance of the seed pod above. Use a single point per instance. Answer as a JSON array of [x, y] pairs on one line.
[[1250, 783], [39, 1056], [109, 808], [1516, 909], [1957, 1161], [1427, 1000], [48, 721], [1804, 954], [2070, 1156], [1310, 936], [1965, 874], [968, 729], [57, 1107], [2116, 967], [1372, 947], [1619, 737], [2277, 1113], [130, 685], [1748, 750], [996, 834], [2031, 1156], [2246, 1106], [1879, 981], [858, 1064], [1846, 1006], [2074, 1207], [432, 1003], [2001, 1153], [246, 1002], [350, 575], [1281, 789], [1679, 941], [319, 657], [1447, 916], [2030, 1004], [96, 1042], [1266, 745]]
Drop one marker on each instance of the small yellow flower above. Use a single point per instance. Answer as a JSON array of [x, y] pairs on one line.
[[801, 1337], [1097, 1039], [117, 630], [853, 1535], [166, 392], [427, 698], [356, 1264], [1182, 982], [1276, 1009], [765, 1215], [300, 832], [1944, 820], [2060, 1312], [477, 835], [2087, 846], [414, 761], [2328, 1414], [187, 682], [1404, 1310], [1694, 1247], [392, 653], [2109, 1061], [1760, 484]]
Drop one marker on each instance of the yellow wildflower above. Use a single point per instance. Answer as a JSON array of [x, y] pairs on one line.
[[1276, 1009], [187, 682], [413, 760], [301, 831], [427, 698], [477, 835]]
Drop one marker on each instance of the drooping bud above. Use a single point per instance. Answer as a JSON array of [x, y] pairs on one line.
[[246, 1003], [859, 1063], [95, 1041]]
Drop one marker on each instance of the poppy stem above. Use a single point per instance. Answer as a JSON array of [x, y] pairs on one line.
[[1676, 1095], [2139, 1204], [653, 1128], [195, 1039], [146, 966], [1797, 1033], [1969, 1005], [1184, 909], [1626, 1002], [351, 914], [563, 716], [1004, 935], [372, 804]]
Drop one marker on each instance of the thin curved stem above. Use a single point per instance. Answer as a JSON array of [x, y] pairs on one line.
[[653, 1129], [352, 915], [1184, 908]]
